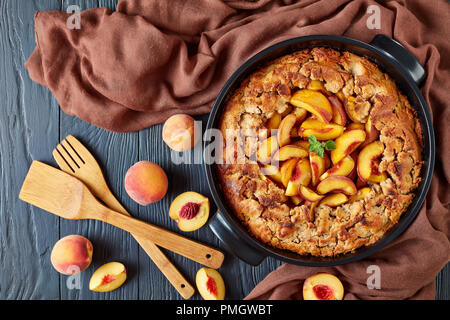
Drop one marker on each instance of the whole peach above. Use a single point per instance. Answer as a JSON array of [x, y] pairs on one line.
[[146, 182], [71, 254], [178, 132]]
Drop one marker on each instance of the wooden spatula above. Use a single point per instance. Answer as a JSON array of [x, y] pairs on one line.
[[75, 159], [59, 193]]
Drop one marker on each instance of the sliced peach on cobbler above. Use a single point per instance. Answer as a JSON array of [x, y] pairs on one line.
[[372, 133], [350, 104], [323, 286], [342, 168], [286, 170], [285, 128], [289, 151], [339, 114], [366, 159], [190, 209], [296, 200], [336, 184], [308, 194], [318, 85], [274, 121], [360, 195], [301, 143], [273, 172], [314, 102], [318, 167], [334, 200], [300, 114], [266, 149], [210, 284], [322, 131], [300, 176], [341, 96], [355, 126], [347, 143]]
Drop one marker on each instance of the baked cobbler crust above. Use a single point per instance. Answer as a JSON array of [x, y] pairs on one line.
[[261, 204]]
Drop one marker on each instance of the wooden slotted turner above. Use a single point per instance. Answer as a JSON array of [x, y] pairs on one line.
[[59, 193], [75, 159]]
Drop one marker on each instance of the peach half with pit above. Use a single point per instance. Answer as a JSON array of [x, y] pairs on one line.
[[300, 176], [190, 209], [322, 131], [210, 284], [179, 132], [367, 160], [336, 184], [146, 182], [347, 143], [71, 254], [323, 286], [285, 128], [342, 168], [314, 102], [108, 277]]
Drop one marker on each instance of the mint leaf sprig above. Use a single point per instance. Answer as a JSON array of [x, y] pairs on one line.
[[319, 147]]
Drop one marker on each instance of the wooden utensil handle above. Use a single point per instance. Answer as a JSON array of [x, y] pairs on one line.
[[184, 288], [190, 249]]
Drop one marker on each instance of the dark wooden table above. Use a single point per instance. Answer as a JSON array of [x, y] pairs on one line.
[[31, 125]]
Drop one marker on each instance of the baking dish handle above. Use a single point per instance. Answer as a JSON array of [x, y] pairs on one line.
[[233, 242], [400, 54]]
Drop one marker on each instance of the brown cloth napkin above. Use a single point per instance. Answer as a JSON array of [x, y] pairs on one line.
[[132, 68]]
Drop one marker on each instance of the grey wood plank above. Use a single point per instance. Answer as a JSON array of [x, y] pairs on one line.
[[28, 129], [443, 284]]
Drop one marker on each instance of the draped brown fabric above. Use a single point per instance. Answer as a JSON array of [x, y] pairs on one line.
[[128, 69]]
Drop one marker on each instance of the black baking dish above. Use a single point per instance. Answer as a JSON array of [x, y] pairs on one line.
[[392, 58]]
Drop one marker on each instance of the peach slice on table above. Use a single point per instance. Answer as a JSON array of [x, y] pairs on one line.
[[308, 194], [318, 85], [322, 131], [323, 286], [274, 122], [108, 277], [339, 114], [285, 128], [266, 149], [210, 284], [347, 143], [318, 167], [190, 209], [289, 151], [361, 194], [336, 184], [366, 160], [273, 172], [287, 169], [314, 102], [71, 254], [334, 200], [342, 168], [300, 176]]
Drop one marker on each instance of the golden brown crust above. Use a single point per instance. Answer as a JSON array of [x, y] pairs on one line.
[[261, 204]]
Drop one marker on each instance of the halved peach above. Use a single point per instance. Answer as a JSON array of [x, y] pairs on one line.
[[337, 184], [349, 105], [318, 167], [361, 194], [286, 170], [273, 172], [322, 131], [346, 144], [318, 85], [274, 121], [308, 194], [323, 286], [334, 200], [289, 151], [300, 176], [285, 128], [342, 168], [108, 277], [190, 209], [366, 159], [314, 102], [354, 126], [266, 149], [210, 284], [339, 115]]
